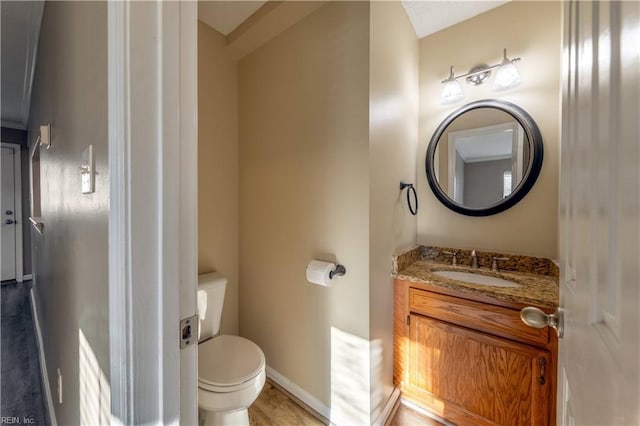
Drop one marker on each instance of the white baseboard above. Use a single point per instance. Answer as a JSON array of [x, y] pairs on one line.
[[322, 409], [387, 411], [299, 393], [27, 277], [43, 363]]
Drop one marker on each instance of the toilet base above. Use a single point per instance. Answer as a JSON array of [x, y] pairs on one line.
[[223, 418]]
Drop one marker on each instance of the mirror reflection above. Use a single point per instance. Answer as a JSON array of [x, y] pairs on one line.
[[481, 157]]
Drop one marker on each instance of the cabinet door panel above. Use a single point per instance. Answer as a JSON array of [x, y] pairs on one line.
[[493, 378]]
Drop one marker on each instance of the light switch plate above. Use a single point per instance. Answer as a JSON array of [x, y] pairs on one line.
[[87, 171]]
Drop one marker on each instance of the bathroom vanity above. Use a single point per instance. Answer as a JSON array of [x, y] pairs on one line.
[[460, 348]]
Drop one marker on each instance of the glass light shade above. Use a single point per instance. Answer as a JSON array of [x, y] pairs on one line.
[[507, 77], [451, 92]]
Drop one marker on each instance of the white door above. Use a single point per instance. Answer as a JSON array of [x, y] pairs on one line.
[[599, 215], [7, 213]]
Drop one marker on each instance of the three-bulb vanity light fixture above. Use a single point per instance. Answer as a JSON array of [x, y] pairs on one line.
[[507, 76]]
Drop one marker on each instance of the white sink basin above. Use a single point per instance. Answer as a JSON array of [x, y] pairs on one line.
[[470, 277]]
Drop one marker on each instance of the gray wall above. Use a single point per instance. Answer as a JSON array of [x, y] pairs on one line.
[[70, 257], [483, 182], [14, 136], [20, 137]]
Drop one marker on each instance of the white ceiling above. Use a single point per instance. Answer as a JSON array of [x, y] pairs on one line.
[[426, 16], [225, 16], [429, 17], [18, 51], [485, 146]]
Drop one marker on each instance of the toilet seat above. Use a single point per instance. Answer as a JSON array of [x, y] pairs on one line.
[[228, 363]]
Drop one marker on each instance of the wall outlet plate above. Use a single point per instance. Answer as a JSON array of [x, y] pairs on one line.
[[87, 171]]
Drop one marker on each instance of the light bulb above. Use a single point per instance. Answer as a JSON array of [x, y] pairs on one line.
[[451, 92], [507, 75]]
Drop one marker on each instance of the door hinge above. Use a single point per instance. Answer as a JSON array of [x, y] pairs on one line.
[[408, 319], [188, 331]]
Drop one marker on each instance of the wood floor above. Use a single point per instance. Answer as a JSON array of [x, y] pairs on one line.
[[275, 408]]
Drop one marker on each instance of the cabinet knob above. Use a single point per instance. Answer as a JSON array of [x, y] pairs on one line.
[[536, 318]]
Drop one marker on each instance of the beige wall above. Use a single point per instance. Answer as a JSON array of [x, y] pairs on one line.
[[328, 126], [218, 181], [304, 192], [393, 133], [70, 259], [530, 30]]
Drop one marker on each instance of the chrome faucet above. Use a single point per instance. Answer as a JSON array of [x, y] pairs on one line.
[[494, 263], [454, 256], [474, 259]]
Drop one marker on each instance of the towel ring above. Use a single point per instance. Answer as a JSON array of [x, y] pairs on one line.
[[410, 190]]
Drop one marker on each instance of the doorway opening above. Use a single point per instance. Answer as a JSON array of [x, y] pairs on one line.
[[11, 214]]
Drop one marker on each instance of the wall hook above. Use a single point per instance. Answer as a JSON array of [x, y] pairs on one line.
[[410, 190]]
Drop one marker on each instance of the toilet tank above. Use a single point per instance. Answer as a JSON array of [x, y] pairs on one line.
[[211, 288]]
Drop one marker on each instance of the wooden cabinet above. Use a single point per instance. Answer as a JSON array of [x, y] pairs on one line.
[[471, 362]]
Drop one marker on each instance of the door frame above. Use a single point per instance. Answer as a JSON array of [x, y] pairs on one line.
[[451, 143], [17, 170], [152, 110]]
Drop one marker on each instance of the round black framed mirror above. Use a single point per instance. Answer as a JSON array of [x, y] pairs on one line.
[[484, 157]]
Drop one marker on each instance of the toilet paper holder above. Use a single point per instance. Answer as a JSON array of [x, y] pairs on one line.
[[338, 272]]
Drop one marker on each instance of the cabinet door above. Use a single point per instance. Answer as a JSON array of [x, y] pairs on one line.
[[470, 377]]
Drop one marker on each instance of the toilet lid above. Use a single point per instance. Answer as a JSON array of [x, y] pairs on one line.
[[228, 360]]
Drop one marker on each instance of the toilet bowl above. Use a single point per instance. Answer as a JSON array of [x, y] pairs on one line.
[[231, 369], [231, 374]]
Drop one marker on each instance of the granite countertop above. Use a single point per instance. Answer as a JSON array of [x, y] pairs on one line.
[[536, 289]]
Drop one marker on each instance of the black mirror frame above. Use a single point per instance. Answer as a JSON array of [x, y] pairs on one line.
[[533, 171]]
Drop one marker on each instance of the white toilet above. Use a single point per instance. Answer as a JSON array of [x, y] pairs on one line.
[[231, 369]]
